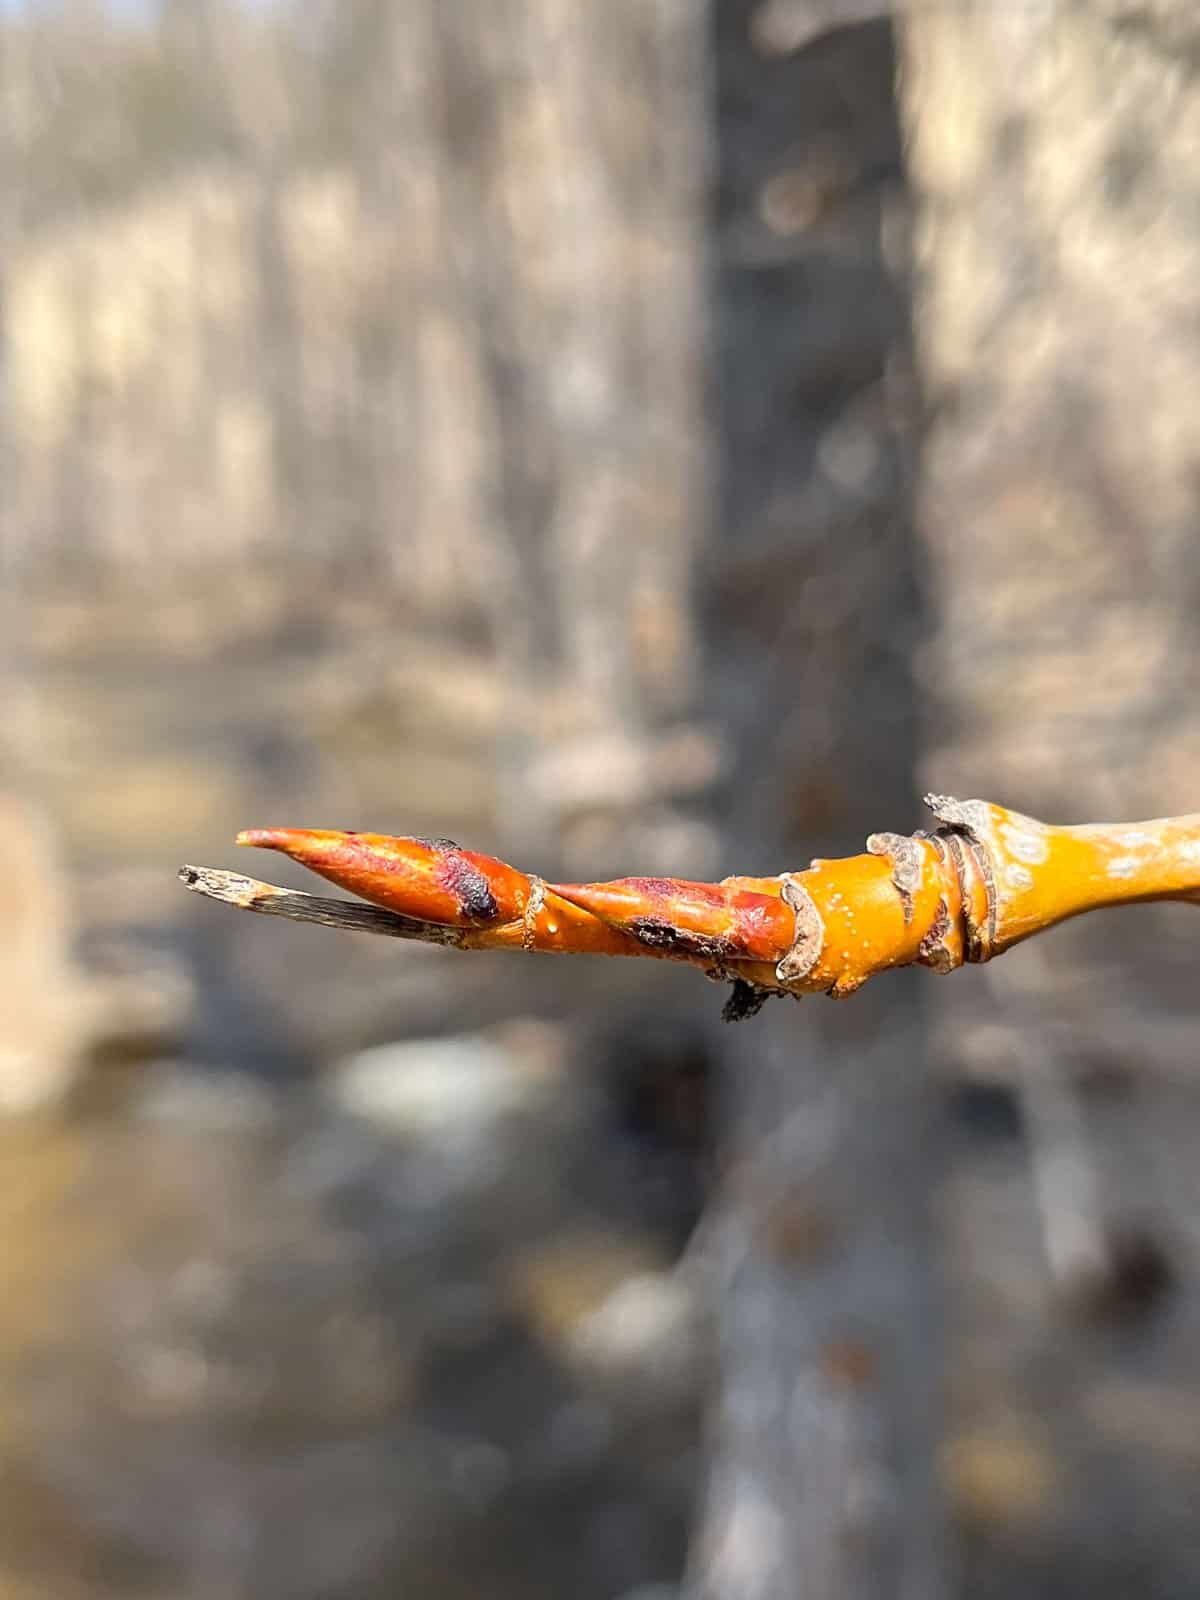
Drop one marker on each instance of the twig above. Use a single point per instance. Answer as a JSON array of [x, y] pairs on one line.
[[983, 880]]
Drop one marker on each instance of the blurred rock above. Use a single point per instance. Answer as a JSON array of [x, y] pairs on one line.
[[616, 1315], [196, 1101], [644, 1339], [481, 1128], [1136, 1277], [48, 1008], [458, 1089], [141, 1002], [1000, 1476], [560, 1284], [59, 1015]]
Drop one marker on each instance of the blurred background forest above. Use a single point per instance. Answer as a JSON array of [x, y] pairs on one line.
[[627, 436]]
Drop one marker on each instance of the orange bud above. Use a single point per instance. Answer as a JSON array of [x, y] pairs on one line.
[[429, 879], [707, 921]]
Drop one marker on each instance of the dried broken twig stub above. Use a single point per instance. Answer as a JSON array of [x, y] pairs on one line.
[[982, 881]]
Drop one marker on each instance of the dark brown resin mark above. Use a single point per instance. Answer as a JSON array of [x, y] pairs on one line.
[[660, 934], [745, 1000], [469, 887]]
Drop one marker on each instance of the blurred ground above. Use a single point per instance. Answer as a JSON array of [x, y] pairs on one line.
[[248, 1289]]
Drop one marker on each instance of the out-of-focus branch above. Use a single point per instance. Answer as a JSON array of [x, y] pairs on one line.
[[983, 880]]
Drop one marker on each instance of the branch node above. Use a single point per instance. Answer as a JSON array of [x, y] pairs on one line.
[[966, 826]]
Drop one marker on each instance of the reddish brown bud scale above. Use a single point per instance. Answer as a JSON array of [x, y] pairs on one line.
[[708, 921]]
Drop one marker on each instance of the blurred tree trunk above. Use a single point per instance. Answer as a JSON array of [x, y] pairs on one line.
[[824, 1432], [1053, 151], [14, 678], [571, 171]]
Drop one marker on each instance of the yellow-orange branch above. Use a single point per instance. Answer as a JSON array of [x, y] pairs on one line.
[[983, 880]]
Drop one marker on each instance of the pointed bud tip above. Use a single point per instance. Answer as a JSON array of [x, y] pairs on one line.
[[260, 838]]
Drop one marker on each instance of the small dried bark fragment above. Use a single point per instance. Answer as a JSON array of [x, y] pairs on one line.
[[533, 907], [908, 864], [969, 816], [934, 951], [808, 938]]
